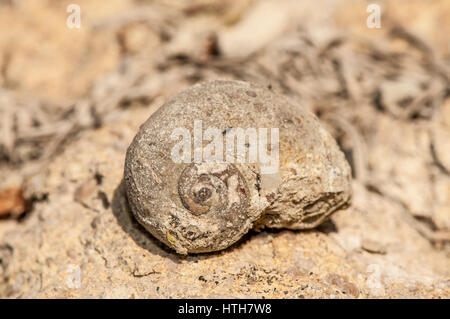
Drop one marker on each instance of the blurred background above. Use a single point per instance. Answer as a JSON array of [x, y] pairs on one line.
[[383, 91]]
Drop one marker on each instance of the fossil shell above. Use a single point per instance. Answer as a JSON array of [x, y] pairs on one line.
[[201, 206], [218, 189]]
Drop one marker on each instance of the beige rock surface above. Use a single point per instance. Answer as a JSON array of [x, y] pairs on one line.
[[97, 238], [80, 240]]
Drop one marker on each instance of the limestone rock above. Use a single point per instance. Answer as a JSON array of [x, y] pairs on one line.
[[201, 203]]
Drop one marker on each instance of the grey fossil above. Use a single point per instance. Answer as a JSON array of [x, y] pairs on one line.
[[196, 207]]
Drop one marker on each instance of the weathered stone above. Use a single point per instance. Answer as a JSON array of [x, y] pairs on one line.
[[207, 206]]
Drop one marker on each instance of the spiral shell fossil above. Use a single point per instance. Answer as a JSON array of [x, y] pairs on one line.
[[204, 190], [196, 205]]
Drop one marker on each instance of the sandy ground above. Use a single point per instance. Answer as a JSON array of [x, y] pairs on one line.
[[71, 101]]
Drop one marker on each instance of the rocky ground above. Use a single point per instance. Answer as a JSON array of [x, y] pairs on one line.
[[71, 100]]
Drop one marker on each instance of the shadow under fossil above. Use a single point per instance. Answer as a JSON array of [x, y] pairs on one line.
[[144, 239]]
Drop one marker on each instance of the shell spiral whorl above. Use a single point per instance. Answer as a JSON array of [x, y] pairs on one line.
[[212, 188]]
